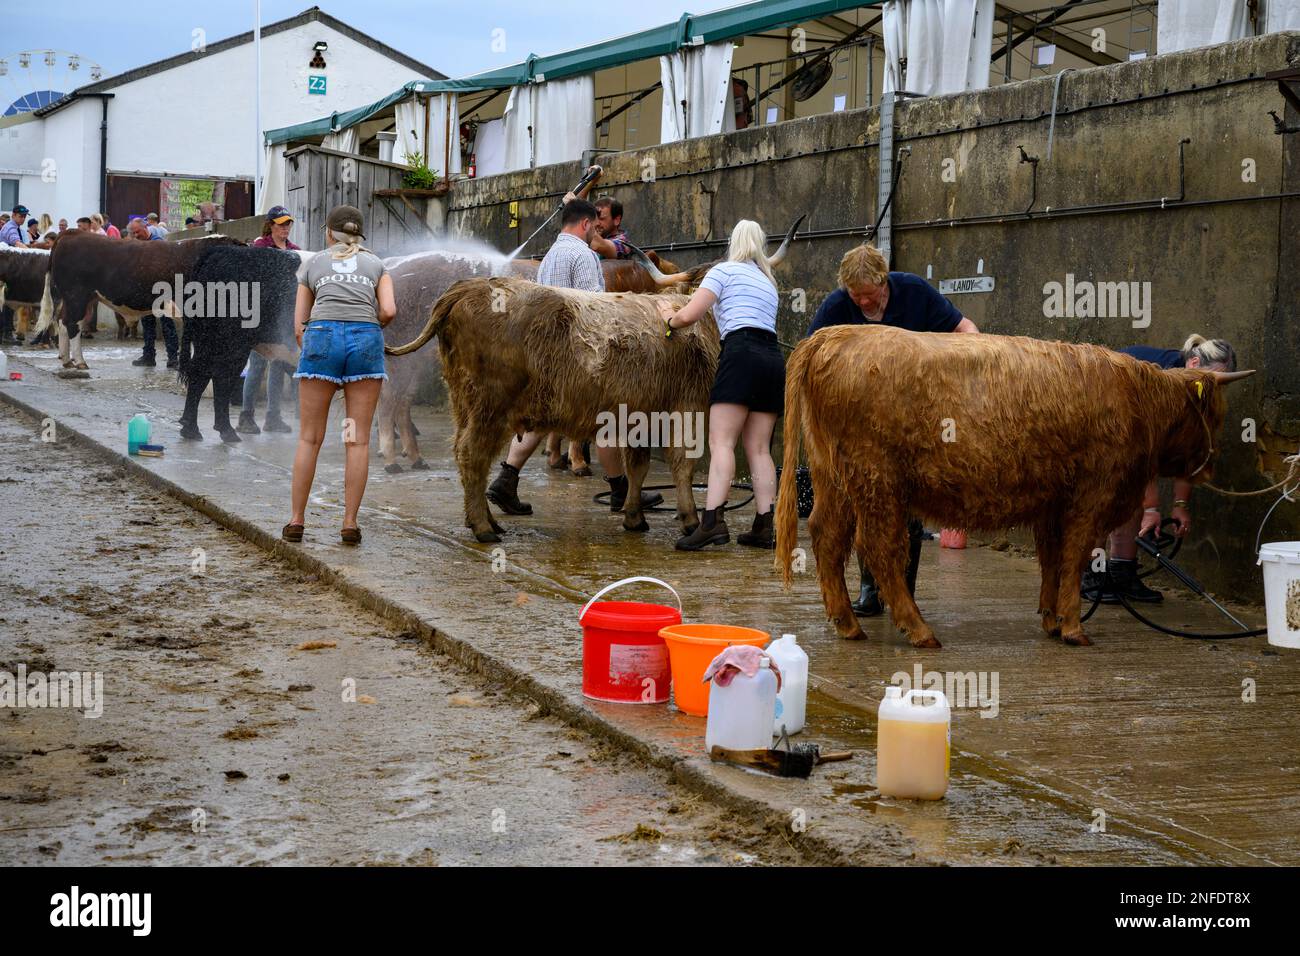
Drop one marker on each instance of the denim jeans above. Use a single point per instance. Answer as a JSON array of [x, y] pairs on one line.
[[149, 329], [257, 372]]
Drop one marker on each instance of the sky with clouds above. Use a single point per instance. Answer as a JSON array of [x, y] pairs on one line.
[[455, 38]]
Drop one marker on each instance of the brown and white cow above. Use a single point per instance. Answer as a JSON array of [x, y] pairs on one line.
[[980, 432], [86, 267]]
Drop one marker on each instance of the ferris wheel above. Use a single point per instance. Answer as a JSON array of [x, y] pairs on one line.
[[30, 79]]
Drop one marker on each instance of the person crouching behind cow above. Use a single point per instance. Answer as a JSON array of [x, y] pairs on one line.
[[345, 298], [1120, 576], [568, 264], [275, 235], [749, 387], [869, 292]]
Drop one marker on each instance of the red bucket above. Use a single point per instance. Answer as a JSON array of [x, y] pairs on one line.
[[624, 660]]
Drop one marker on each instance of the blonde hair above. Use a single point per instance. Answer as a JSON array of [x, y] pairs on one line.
[[98, 219], [45, 223], [749, 244], [1210, 351], [863, 265]]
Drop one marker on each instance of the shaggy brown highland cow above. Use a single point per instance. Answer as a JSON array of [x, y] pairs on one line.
[[521, 357], [979, 432]]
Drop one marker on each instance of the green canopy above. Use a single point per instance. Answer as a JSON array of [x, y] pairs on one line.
[[688, 30]]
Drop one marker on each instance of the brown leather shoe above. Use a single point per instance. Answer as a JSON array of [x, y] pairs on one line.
[[350, 535], [292, 532]]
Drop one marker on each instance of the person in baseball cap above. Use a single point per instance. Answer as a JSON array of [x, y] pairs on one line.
[[12, 234]]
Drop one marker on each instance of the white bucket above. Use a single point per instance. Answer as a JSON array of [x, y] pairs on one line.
[[1281, 562]]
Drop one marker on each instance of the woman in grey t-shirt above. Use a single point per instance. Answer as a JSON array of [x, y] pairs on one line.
[[345, 297]]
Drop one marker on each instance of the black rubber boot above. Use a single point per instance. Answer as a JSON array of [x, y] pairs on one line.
[[618, 495], [915, 534], [761, 534], [1124, 580], [1094, 582], [504, 492], [712, 530], [868, 603]]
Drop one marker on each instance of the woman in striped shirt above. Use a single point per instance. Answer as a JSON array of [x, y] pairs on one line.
[[749, 389]]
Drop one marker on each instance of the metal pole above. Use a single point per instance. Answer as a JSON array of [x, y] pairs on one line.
[[1006, 76], [257, 106], [871, 69]]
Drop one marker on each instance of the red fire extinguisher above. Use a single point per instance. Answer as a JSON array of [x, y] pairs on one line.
[[473, 165]]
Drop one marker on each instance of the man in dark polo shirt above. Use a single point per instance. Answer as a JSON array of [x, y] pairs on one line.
[[869, 292]]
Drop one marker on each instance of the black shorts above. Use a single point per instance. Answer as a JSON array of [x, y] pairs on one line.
[[751, 372]]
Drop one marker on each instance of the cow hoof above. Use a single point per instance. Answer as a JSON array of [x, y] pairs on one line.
[[1076, 640], [643, 525], [393, 469], [583, 472], [486, 537], [420, 465], [191, 433], [230, 436], [857, 635], [930, 641]]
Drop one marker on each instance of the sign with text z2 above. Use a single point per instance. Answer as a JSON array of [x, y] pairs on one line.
[[316, 84]]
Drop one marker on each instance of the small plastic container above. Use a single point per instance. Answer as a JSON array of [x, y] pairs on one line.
[[138, 432], [4, 366], [792, 698], [741, 714], [913, 743]]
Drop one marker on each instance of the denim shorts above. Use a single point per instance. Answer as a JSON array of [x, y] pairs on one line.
[[341, 352]]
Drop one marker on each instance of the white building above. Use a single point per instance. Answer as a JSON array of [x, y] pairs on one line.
[[156, 137]]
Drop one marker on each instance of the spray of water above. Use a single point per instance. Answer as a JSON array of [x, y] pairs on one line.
[[449, 247]]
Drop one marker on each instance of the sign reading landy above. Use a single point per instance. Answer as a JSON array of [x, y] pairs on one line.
[[973, 284]]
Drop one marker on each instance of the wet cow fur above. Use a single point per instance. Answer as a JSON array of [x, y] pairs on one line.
[[215, 348], [552, 359], [418, 281], [1056, 437]]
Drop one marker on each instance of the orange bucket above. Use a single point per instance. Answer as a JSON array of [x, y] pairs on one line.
[[691, 648]]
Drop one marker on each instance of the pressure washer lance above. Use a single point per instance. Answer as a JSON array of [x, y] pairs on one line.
[[588, 177], [797, 760], [1153, 548]]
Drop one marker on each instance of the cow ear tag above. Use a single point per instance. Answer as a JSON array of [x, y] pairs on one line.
[[1200, 389]]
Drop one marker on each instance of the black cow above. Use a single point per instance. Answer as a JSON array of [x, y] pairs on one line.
[[217, 338]]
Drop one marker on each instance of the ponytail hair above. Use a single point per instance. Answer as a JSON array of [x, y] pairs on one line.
[[345, 245], [749, 244], [1210, 351]]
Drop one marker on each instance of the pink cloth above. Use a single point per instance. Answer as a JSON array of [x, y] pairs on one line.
[[738, 659]]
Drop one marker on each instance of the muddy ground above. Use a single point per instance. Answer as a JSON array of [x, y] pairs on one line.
[[221, 741]]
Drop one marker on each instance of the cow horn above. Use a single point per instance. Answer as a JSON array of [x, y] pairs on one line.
[[1223, 378], [779, 256], [644, 262]]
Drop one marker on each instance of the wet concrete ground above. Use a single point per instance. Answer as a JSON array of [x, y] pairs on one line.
[[1145, 732], [220, 741]]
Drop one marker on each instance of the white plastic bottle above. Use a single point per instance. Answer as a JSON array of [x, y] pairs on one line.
[[741, 714], [913, 741], [792, 699], [4, 366]]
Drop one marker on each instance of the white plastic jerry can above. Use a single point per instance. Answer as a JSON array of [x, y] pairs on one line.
[[792, 699], [741, 714], [913, 744]]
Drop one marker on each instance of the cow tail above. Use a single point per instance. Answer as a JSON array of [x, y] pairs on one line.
[[787, 497], [438, 315], [46, 315], [183, 359]]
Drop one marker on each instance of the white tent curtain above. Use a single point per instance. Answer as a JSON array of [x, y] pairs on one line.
[[1184, 24], [272, 192], [700, 77], [409, 122], [948, 45], [1281, 15], [345, 140], [550, 122], [490, 148], [441, 107]]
